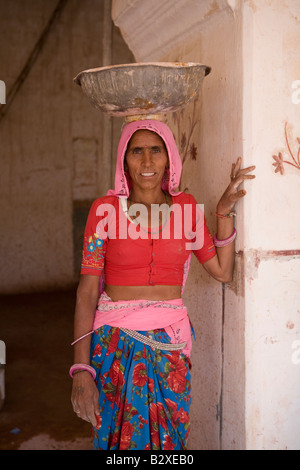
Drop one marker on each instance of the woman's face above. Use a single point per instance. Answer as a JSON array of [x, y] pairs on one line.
[[146, 159]]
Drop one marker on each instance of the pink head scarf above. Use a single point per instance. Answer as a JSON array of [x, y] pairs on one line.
[[172, 176]]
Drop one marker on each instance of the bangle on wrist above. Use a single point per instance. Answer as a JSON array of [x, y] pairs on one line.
[[220, 243], [226, 216], [81, 368], [78, 371]]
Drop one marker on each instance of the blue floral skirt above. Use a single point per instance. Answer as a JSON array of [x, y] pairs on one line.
[[144, 393]]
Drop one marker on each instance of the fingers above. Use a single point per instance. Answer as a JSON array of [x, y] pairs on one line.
[[238, 175], [235, 168], [88, 413], [236, 182], [238, 195], [85, 402], [232, 193]]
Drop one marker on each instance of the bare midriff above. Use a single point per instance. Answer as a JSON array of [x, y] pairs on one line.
[[158, 292]]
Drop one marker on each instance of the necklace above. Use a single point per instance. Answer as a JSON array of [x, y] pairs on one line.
[[142, 228]]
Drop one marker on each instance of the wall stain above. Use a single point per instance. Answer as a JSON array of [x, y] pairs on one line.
[[213, 9], [237, 284], [254, 258]]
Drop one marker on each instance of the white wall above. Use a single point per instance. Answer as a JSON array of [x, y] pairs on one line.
[[272, 218], [246, 366], [214, 40]]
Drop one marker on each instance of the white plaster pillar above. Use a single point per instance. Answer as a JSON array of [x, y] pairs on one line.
[[271, 62]]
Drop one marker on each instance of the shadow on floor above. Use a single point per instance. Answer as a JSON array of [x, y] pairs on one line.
[[37, 413]]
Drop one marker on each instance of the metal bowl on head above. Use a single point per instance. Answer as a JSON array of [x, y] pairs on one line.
[[142, 88]]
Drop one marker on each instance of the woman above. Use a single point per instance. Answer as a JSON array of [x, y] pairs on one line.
[[131, 372]]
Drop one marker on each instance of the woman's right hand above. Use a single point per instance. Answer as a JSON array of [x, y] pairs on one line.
[[85, 398]]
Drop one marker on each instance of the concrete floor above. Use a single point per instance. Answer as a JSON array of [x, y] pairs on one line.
[[37, 413]]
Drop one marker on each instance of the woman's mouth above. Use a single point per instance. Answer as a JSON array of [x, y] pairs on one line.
[[147, 174]]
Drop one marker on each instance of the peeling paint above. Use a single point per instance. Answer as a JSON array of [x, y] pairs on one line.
[[237, 284], [254, 258]]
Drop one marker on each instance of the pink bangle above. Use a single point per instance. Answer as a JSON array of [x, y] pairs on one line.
[[220, 243], [82, 367]]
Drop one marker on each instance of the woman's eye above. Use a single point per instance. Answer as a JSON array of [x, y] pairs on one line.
[[140, 150]]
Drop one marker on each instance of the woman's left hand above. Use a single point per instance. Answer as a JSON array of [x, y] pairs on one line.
[[232, 194]]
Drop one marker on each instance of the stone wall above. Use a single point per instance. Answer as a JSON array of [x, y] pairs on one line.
[[52, 159]]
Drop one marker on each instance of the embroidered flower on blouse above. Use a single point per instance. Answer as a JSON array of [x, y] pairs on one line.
[[99, 242], [94, 240], [91, 247], [93, 252]]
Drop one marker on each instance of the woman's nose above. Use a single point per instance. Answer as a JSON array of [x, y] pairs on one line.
[[147, 156]]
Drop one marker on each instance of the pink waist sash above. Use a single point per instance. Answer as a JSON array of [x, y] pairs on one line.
[[145, 315]]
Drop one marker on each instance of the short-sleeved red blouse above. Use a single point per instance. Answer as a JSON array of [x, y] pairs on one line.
[[131, 256]]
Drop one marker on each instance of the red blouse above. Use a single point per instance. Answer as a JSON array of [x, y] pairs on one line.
[[131, 256]]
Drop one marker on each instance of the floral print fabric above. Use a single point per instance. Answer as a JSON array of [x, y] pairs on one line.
[[144, 394], [93, 254]]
